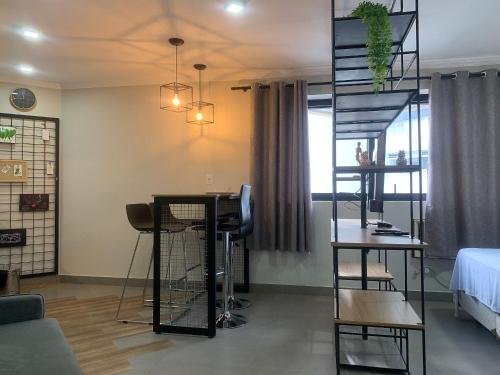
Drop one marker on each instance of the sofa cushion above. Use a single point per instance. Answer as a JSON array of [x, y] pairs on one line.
[[36, 347], [18, 308]]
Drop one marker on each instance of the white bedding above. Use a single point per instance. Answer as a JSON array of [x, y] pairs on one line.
[[477, 273]]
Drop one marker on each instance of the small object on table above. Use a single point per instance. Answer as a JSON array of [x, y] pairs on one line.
[[384, 224], [389, 232]]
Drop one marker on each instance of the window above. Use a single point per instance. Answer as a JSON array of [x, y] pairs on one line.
[[398, 139], [320, 149], [320, 146]]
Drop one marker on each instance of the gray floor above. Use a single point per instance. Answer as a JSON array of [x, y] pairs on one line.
[[292, 334]]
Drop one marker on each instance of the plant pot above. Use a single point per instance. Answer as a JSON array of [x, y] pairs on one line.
[[9, 282]]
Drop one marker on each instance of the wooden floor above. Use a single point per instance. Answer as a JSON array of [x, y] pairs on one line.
[[90, 327]]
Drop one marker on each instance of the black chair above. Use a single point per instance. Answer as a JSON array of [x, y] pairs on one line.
[[233, 231], [141, 218]]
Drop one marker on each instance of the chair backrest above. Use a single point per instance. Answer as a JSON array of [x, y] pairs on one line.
[[140, 217], [246, 219]]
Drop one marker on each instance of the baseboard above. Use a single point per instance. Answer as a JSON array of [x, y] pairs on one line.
[[327, 291], [291, 289], [432, 296], [116, 281], [254, 288]]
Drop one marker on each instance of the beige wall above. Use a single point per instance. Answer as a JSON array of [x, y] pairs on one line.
[[118, 147], [48, 100]]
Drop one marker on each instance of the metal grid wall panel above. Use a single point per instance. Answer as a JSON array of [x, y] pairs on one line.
[[184, 265], [36, 143]]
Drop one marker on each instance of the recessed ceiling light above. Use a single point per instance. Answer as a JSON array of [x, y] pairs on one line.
[[31, 34], [26, 69], [235, 6]]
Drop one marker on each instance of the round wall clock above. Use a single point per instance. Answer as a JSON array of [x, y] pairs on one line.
[[22, 99]]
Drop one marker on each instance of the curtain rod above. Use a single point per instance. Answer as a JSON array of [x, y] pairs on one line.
[[329, 83], [424, 78]]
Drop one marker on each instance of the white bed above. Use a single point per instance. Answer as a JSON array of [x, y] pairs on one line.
[[476, 286]]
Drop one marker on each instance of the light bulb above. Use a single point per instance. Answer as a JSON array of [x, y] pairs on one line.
[[26, 69], [199, 116], [31, 34], [176, 101], [235, 6]]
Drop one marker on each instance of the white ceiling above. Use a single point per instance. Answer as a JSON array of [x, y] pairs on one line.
[[91, 43]]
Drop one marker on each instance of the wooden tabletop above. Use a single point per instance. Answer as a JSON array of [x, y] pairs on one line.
[[375, 271], [352, 236], [376, 308], [227, 195]]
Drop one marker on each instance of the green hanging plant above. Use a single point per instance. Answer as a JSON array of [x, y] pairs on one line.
[[378, 40]]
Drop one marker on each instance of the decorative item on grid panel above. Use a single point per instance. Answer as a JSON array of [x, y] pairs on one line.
[[13, 171], [33, 202], [50, 168], [7, 134], [12, 237], [45, 135]]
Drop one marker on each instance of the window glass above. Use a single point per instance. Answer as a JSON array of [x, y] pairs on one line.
[[398, 139], [320, 146]]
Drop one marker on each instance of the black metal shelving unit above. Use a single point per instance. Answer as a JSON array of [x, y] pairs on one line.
[[358, 113]]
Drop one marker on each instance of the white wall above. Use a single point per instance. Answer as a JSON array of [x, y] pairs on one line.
[[315, 269], [48, 100], [118, 147]]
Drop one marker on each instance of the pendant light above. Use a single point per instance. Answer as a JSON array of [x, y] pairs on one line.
[[202, 112], [175, 96]]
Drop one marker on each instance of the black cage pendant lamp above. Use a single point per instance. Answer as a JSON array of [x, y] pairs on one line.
[[203, 112], [175, 96]]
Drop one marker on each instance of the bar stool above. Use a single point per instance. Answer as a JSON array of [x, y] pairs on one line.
[[140, 217], [172, 225], [231, 233]]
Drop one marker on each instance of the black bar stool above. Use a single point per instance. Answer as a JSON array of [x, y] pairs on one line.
[[232, 231], [141, 218]]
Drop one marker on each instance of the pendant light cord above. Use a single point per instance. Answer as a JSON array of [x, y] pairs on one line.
[[175, 66], [199, 84]]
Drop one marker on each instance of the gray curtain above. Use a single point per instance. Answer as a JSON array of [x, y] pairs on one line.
[[463, 201], [280, 167]]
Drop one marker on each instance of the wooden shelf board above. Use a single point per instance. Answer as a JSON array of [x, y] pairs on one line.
[[352, 271], [381, 353], [352, 236], [377, 309], [379, 169]]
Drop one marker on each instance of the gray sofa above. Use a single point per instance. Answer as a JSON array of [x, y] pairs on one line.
[[30, 344]]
